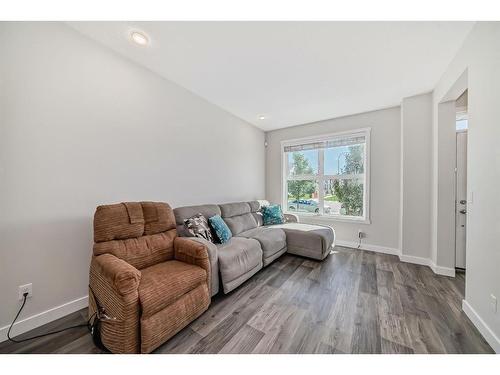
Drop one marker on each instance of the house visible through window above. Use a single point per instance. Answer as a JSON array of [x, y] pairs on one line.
[[327, 175]]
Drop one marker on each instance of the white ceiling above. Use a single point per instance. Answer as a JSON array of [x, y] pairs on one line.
[[292, 72]]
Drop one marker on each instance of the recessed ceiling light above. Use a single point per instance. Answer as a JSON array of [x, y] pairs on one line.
[[139, 38], [262, 117]]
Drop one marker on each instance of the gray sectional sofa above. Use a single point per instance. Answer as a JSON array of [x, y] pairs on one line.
[[254, 245]]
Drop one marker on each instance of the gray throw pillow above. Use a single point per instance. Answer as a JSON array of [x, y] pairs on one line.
[[198, 226]]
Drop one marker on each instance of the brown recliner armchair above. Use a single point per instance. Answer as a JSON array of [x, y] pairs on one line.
[[151, 282]]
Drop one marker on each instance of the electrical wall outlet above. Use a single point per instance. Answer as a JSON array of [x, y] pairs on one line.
[[27, 288], [361, 234], [493, 303]]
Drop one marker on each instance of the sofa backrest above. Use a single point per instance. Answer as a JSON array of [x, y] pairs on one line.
[[238, 217], [140, 233], [183, 213], [256, 210]]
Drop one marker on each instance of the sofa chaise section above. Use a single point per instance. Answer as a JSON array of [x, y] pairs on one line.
[[308, 240]]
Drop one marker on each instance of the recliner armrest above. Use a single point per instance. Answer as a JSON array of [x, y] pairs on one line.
[[213, 257], [211, 248], [184, 247], [123, 277], [193, 252]]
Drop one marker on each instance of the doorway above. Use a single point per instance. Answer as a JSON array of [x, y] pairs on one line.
[[461, 183]]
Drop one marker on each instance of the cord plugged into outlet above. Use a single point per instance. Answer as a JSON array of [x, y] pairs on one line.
[[25, 291], [361, 235]]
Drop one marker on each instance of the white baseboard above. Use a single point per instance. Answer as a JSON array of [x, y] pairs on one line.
[[444, 271], [369, 247], [415, 260], [37, 320], [482, 327], [438, 270]]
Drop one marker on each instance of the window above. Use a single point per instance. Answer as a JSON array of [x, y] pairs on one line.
[[327, 176], [462, 121]]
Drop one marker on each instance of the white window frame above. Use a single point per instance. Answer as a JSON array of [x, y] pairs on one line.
[[365, 219]]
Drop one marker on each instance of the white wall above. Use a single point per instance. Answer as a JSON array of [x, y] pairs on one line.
[[81, 126], [385, 172], [480, 57], [416, 175], [446, 163]]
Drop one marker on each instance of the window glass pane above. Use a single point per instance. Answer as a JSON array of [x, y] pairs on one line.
[[462, 124], [344, 160], [302, 163], [344, 197], [302, 196]]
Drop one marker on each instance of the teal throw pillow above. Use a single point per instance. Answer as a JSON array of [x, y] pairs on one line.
[[272, 214], [220, 228]]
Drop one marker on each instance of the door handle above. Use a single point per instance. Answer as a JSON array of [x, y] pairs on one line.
[[463, 211], [463, 201]]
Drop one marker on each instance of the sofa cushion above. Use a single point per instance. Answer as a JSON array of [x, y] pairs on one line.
[[183, 213], [158, 328], [140, 252], [254, 206], [238, 217], [272, 240], [238, 256], [308, 240], [197, 226], [234, 209], [222, 231], [255, 209], [164, 283], [158, 217], [118, 221], [241, 223]]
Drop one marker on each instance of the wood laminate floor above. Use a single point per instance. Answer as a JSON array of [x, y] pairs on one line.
[[352, 302]]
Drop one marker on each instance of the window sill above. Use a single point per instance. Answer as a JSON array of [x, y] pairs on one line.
[[330, 219]]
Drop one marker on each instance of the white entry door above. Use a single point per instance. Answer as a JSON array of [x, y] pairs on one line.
[[461, 200]]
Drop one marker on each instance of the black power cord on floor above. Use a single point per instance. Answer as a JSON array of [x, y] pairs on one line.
[[25, 296]]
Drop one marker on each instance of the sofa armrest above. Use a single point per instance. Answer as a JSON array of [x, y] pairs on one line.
[[291, 218], [193, 252], [120, 275]]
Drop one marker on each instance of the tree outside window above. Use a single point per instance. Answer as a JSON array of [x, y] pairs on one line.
[[350, 192], [300, 189]]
